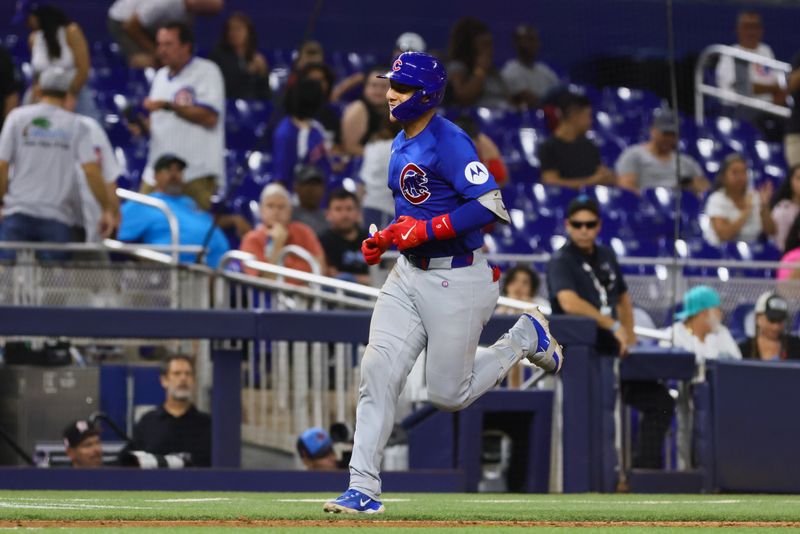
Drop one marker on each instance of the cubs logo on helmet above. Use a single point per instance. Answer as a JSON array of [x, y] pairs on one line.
[[413, 184], [397, 64]]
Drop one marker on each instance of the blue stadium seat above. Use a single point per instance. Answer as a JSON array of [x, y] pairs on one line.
[[749, 252], [662, 219], [738, 320], [553, 200]]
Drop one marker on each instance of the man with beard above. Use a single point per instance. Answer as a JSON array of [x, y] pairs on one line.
[[176, 426], [342, 240], [145, 224]]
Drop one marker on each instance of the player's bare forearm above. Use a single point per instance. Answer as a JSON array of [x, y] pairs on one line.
[[3, 179], [197, 114]]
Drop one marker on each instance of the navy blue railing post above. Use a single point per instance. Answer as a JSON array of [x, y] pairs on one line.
[[226, 406]]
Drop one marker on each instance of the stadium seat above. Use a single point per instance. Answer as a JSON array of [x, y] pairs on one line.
[[741, 321], [553, 200], [662, 217]]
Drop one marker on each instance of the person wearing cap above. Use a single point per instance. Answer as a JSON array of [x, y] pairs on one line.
[[584, 279], [527, 79], [187, 114], [146, 224], [40, 146], [772, 341], [569, 158], [315, 448], [699, 328], [82, 444], [654, 163], [277, 230], [309, 188]]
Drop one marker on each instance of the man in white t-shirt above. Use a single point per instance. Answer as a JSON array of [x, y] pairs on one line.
[[699, 328], [40, 146], [527, 79], [133, 24], [748, 78], [654, 162], [187, 114]]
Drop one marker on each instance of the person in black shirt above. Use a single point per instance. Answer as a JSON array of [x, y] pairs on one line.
[[9, 85], [771, 342], [342, 240], [176, 426], [584, 278], [569, 158], [243, 67]]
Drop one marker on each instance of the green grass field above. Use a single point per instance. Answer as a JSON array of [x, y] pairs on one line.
[[301, 512]]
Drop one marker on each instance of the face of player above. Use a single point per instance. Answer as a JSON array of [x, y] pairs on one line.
[[276, 209], [396, 95], [88, 453], [768, 329], [664, 142], [375, 89], [520, 287], [170, 180], [583, 227], [179, 380], [749, 30], [170, 50], [342, 214], [736, 177]]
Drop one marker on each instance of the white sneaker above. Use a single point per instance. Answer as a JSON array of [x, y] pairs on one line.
[[547, 354]]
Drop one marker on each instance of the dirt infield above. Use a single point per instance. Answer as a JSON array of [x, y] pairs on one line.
[[354, 523]]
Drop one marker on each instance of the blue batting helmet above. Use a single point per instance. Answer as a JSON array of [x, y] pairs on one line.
[[417, 69]]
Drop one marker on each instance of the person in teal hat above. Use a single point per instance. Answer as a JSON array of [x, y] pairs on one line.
[[699, 327]]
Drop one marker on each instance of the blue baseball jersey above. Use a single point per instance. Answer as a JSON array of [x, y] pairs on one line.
[[432, 174]]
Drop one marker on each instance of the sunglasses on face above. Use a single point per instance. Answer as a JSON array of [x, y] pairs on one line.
[[584, 224]]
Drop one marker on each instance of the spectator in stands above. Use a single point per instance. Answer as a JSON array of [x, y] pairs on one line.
[[584, 278], [786, 206], [791, 143], [792, 252], [521, 283], [342, 240], [569, 158], [146, 224], [176, 426], [472, 75], [133, 24], [364, 117], [309, 187], [408, 42], [277, 230], [654, 162], [315, 448], [527, 79], [299, 139], [373, 189], [56, 41], [9, 85], [186, 105], [736, 211], [772, 341], [244, 68], [82, 444], [42, 144], [699, 328], [746, 78], [488, 152]]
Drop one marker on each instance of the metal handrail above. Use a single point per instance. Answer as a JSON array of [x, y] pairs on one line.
[[702, 88], [147, 200]]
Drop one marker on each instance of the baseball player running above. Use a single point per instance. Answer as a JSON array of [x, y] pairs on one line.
[[442, 291]]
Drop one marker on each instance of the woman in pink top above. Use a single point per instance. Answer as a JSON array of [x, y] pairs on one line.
[[786, 206], [792, 255]]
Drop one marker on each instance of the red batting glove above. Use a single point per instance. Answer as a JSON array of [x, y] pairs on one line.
[[373, 247], [409, 232]]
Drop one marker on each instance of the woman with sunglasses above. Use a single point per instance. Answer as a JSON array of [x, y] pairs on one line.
[[772, 342]]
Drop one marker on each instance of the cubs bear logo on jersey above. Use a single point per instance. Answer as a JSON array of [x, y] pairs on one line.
[[184, 96], [413, 184]]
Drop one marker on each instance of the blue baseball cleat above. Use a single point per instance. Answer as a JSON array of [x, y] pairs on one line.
[[354, 502], [548, 354]]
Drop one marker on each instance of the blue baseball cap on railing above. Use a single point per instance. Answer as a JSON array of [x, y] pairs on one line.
[[698, 299]]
